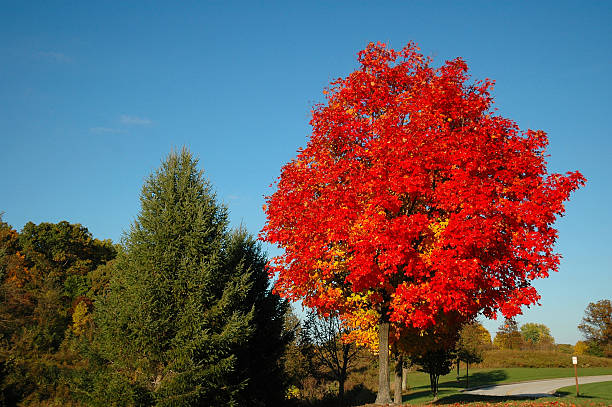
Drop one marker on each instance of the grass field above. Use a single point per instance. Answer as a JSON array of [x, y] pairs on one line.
[[450, 389], [591, 392], [499, 367]]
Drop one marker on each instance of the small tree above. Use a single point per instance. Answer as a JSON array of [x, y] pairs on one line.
[[508, 335], [471, 346], [596, 327], [433, 349], [537, 336], [326, 348], [435, 362]]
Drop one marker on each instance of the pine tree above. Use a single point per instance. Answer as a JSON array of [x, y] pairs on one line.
[[258, 361], [187, 303]]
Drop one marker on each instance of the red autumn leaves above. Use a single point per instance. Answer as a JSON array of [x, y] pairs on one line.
[[414, 197]]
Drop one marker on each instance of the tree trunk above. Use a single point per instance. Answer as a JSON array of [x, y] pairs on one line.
[[467, 375], [397, 383], [433, 381], [384, 390], [404, 378], [458, 361], [341, 391]]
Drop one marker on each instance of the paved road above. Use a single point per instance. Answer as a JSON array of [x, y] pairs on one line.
[[537, 388]]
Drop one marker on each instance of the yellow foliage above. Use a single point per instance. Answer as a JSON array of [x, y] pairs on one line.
[[580, 348], [429, 243], [485, 336], [361, 321], [292, 393], [80, 318]]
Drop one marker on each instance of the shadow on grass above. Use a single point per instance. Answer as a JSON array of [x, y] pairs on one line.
[[478, 379], [561, 393], [425, 395], [358, 396]]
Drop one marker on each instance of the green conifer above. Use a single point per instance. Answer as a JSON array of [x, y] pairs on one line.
[[179, 319]]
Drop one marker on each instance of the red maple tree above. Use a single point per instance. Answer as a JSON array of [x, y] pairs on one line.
[[413, 199]]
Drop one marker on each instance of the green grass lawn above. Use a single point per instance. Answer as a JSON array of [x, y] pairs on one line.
[[591, 392], [450, 389]]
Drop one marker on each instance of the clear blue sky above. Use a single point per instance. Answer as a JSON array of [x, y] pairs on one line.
[[94, 94]]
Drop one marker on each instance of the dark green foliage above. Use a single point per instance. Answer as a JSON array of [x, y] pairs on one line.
[[185, 315], [435, 362], [182, 316], [258, 361]]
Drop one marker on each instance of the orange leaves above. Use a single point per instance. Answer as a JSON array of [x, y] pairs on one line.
[[411, 195], [16, 270]]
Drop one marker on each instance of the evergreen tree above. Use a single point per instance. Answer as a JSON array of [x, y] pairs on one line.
[[187, 305], [258, 361]]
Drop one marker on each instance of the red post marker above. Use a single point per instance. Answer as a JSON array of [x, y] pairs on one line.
[[575, 362]]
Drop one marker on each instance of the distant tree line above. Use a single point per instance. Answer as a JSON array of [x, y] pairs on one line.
[[596, 327], [530, 336]]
